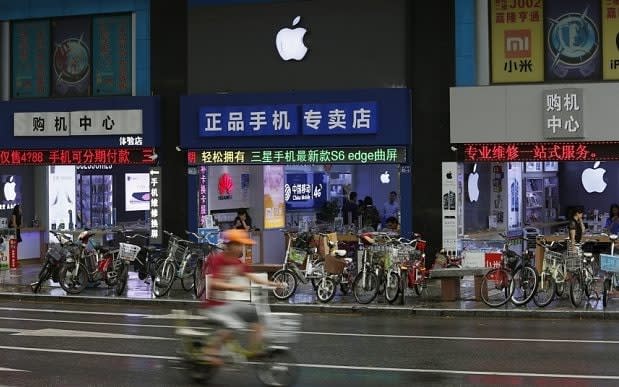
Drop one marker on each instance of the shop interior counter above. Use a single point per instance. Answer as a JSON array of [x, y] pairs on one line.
[[33, 242]]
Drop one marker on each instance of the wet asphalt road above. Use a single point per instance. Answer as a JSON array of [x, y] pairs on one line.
[[81, 345]]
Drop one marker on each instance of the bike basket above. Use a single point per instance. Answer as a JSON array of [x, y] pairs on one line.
[[573, 261], [297, 255], [56, 252], [128, 252], [609, 263], [552, 258], [334, 265], [283, 328]]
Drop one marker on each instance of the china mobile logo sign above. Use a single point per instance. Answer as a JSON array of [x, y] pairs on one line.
[[517, 43]]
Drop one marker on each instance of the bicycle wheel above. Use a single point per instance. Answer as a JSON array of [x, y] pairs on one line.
[[123, 277], [365, 287], [576, 290], [278, 368], [164, 279], [44, 275], [546, 289], [392, 287], [199, 279], [289, 280], [524, 285], [496, 287], [188, 277], [73, 279], [326, 289]]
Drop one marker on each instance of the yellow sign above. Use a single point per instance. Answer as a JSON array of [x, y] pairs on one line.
[[517, 34], [610, 39], [274, 204]]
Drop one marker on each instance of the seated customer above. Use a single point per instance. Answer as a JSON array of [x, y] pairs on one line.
[[242, 220], [392, 224]]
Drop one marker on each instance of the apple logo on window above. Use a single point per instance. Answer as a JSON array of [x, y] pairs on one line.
[[385, 178], [473, 185], [9, 189], [593, 179], [289, 42]]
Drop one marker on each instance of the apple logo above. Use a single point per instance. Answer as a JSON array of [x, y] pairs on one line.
[[593, 179], [384, 178], [473, 186], [9, 189], [449, 175], [289, 42]]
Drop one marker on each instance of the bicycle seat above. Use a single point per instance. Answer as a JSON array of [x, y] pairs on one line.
[[340, 253], [348, 260]]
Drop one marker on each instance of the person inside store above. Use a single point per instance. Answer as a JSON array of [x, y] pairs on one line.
[[225, 268], [369, 214], [390, 208], [576, 227], [350, 209], [16, 220], [612, 223], [392, 225], [242, 220]]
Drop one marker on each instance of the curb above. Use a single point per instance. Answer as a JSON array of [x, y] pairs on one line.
[[337, 309]]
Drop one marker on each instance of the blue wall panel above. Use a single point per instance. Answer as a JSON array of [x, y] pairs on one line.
[[465, 55], [29, 9]]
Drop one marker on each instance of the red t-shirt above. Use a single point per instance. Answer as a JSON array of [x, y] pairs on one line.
[[225, 268]]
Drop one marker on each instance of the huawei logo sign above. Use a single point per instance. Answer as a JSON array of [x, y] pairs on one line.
[[225, 186]]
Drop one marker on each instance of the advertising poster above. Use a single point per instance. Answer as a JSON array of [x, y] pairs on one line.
[[111, 55], [610, 43], [449, 203], [274, 204], [137, 192], [572, 40], [61, 193], [517, 34], [71, 57], [30, 59]]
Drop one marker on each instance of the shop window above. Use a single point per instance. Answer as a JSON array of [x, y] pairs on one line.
[[71, 56]]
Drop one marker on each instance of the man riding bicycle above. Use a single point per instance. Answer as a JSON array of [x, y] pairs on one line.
[[224, 269]]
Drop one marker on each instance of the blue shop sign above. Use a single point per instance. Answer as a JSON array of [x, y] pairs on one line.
[[273, 120], [342, 118]]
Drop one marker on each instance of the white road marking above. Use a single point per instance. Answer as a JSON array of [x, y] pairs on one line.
[[12, 370], [75, 312], [339, 367], [89, 323], [50, 332]]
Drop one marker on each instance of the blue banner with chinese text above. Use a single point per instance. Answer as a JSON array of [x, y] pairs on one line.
[[274, 120], [342, 118]]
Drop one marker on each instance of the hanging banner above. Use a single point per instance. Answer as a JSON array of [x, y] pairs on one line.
[[30, 65], [610, 46], [573, 40], [111, 59], [517, 33], [450, 213], [71, 57], [202, 195], [156, 231], [274, 203]]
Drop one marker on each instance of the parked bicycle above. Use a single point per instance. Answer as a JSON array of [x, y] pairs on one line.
[[582, 281], [54, 260], [179, 263], [515, 279], [291, 273], [610, 265], [376, 274], [554, 274], [203, 249]]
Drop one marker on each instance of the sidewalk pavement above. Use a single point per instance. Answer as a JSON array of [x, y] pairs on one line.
[[15, 285]]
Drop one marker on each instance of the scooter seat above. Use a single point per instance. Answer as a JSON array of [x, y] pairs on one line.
[[340, 253]]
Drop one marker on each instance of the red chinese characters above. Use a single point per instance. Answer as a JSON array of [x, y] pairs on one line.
[[77, 156]]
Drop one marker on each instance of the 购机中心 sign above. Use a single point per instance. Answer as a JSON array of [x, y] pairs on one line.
[[282, 120], [563, 113], [78, 123], [310, 155]]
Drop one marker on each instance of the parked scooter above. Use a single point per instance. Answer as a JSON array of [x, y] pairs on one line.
[[54, 260], [92, 264]]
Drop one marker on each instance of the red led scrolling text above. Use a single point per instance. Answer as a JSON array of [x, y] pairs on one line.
[[76, 156], [540, 152]]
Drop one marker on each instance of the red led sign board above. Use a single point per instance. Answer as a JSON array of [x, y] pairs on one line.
[[117, 156], [547, 151]]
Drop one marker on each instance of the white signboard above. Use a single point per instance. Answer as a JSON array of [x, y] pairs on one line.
[[449, 206], [106, 122], [563, 113], [79, 123], [41, 124], [156, 229]]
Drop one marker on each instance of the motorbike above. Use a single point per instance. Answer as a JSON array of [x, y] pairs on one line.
[[93, 264], [273, 367], [54, 260]]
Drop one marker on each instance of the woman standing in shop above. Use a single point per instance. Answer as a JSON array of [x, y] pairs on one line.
[[16, 218], [576, 227], [612, 223]]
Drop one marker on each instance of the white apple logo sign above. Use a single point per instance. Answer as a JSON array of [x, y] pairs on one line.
[[9, 189], [289, 42], [473, 186], [593, 179], [384, 178]]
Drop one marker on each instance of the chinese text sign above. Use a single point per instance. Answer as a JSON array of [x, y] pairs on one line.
[[349, 118], [275, 120], [156, 229], [563, 113], [517, 29]]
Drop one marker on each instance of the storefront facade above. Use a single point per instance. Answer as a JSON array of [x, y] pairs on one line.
[[320, 102], [529, 154], [80, 131]]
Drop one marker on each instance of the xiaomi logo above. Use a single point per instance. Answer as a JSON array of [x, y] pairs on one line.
[[517, 43]]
